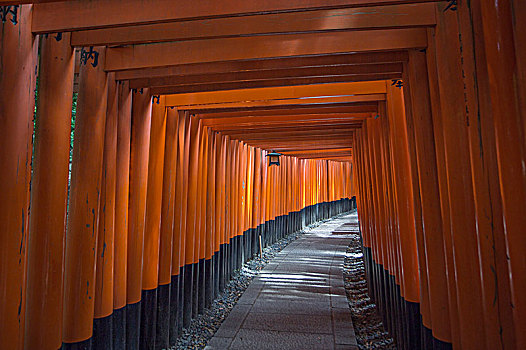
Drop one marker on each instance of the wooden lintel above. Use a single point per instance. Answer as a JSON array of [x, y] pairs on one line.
[[80, 14], [260, 120], [268, 64], [285, 95], [261, 47], [254, 84], [271, 74], [381, 17], [283, 111]]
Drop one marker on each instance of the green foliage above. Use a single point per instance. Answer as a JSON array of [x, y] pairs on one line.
[[73, 118]]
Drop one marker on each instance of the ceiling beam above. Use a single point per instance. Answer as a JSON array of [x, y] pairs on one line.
[[80, 14], [346, 128], [300, 145], [276, 146], [283, 111], [253, 120], [321, 101], [242, 48], [300, 125], [303, 72], [278, 93], [267, 64], [381, 17], [293, 135], [253, 84]]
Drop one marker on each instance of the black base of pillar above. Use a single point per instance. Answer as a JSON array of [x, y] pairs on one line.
[[208, 282], [401, 318], [195, 290], [222, 267], [162, 333], [83, 345], [133, 326], [103, 333], [201, 290], [119, 329], [187, 294], [216, 272], [148, 319]]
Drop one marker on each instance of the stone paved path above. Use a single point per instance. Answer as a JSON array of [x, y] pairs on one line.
[[297, 301]]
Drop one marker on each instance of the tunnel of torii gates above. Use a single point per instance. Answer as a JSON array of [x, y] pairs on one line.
[[414, 108]]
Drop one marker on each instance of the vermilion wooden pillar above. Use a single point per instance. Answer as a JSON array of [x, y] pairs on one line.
[[122, 185], [120, 257], [84, 202], [459, 178], [153, 223], [410, 283], [106, 228], [18, 62], [165, 302], [179, 223], [210, 198], [257, 198], [425, 306], [430, 195], [154, 194], [49, 191], [505, 63], [190, 250], [488, 203], [139, 154], [201, 217], [219, 211], [181, 197], [443, 187]]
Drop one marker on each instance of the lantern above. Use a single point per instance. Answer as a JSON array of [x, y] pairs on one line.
[[273, 158]]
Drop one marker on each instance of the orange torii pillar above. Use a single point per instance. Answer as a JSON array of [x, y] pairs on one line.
[[498, 318], [418, 87], [153, 224], [257, 203], [201, 219], [502, 22], [235, 206], [103, 324], [18, 59], [219, 217], [43, 314], [228, 208], [459, 180], [191, 259], [403, 193], [179, 229], [120, 242], [84, 203], [424, 307], [180, 220], [210, 231], [49, 190], [226, 194], [139, 154], [166, 306]]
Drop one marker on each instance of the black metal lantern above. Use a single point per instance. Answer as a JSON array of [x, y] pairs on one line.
[[273, 158]]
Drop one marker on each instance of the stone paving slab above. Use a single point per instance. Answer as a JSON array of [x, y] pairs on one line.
[[297, 301]]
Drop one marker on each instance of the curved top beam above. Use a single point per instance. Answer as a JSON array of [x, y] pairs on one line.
[[75, 15]]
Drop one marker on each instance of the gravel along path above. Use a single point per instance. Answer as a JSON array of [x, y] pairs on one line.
[[202, 328], [368, 325]]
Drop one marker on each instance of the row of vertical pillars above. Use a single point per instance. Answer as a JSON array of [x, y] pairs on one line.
[[156, 214], [442, 188]]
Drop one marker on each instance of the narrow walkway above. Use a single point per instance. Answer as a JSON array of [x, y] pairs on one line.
[[297, 301]]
